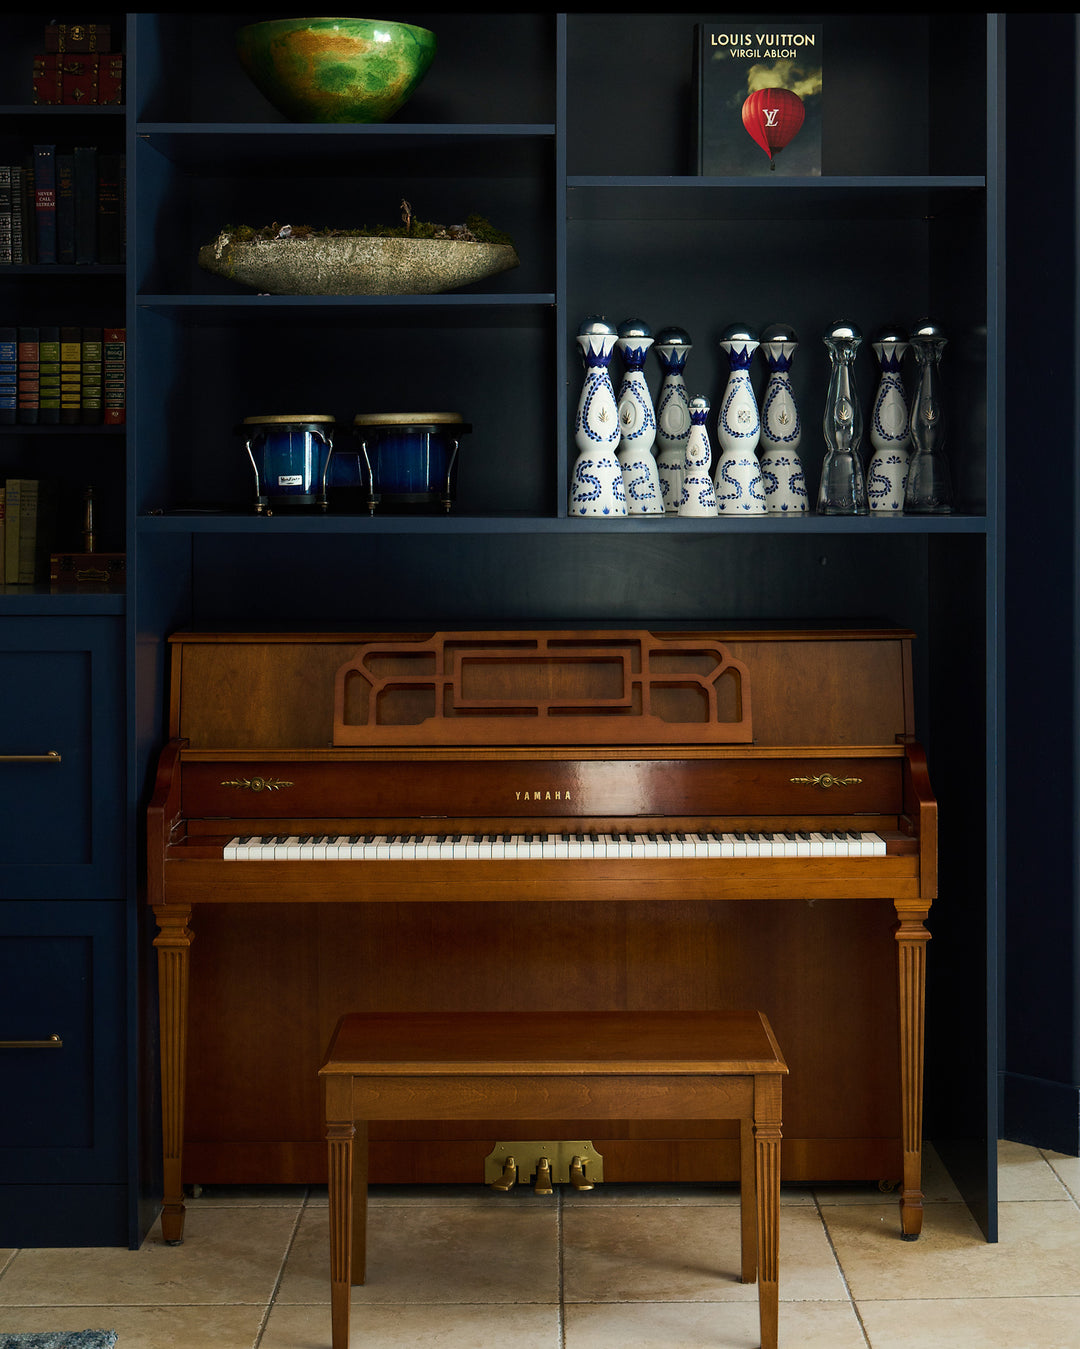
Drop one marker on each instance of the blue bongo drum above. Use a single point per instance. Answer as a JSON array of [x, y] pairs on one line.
[[409, 460], [290, 456]]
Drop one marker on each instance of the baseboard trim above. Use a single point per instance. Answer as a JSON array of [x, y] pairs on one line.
[[1041, 1113]]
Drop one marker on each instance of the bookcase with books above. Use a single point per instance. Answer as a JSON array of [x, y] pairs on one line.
[[65, 881], [609, 216], [63, 319]]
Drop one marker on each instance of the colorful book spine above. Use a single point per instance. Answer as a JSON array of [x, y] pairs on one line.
[[90, 400], [45, 201], [9, 375], [70, 375], [29, 375], [49, 368], [114, 375]]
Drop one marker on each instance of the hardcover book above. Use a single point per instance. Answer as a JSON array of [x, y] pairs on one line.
[[29, 374], [114, 375], [86, 203], [45, 201], [70, 375], [90, 400], [49, 374], [9, 375], [758, 90], [65, 207]]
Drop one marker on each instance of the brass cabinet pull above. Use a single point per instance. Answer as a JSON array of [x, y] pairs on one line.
[[53, 756], [53, 1042]]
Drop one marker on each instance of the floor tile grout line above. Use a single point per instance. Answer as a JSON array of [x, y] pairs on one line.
[[840, 1270], [264, 1319], [560, 1257], [1059, 1178]]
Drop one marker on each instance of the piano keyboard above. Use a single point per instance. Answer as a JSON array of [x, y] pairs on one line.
[[480, 847]]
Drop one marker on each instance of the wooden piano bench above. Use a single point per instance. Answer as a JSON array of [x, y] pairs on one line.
[[554, 1065]]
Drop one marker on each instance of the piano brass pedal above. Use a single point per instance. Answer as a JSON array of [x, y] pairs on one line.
[[577, 1174], [552, 1162], [507, 1179], [543, 1176]]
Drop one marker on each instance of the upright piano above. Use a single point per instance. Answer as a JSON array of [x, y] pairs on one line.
[[501, 820]]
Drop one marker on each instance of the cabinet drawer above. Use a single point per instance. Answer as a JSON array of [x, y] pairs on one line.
[[61, 738], [62, 975]]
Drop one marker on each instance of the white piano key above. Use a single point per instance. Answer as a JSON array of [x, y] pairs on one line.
[[785, 845], [573, 846], [647, 844], [877, 845], [826, 842]]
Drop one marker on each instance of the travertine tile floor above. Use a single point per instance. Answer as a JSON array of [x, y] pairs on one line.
[[650, 1266]]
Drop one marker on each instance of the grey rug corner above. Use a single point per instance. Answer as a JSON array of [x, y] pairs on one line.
[[59, 1339]]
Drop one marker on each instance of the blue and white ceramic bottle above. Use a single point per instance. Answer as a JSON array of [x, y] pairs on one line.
[[672, 348], [737, 479], [698, 494], [781, 427], [890, 429], [637, 422], [596, 483]]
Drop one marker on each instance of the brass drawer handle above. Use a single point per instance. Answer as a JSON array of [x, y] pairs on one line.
[[53, 1042], [53, 756], [827, 780]]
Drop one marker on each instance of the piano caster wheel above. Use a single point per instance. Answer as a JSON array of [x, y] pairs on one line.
[[909, 1236]]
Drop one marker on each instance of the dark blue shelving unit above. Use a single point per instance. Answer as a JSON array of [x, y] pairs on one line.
[[906, 219]]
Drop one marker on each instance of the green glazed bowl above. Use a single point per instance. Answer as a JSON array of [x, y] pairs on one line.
[[335, 70]]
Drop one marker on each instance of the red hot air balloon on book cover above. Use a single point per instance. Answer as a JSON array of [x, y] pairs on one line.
[[758, 84], [773, 117]]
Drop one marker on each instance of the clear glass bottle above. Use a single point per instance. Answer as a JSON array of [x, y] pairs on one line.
[[843, 483], [929, 481]]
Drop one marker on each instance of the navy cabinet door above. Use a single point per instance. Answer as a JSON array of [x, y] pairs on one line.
[[61, 758]]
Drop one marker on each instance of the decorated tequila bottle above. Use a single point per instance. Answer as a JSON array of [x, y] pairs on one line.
[[781, 427], [596, 483], [889, 428], [929, 482], [843, 487], [637, 422], [698, 494], [737, 479], [672, 347]]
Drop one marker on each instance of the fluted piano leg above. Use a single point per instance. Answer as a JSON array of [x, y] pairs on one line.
[[911, 937], [767, 1132], [346, 1142], [748, 1201], [173, 944]]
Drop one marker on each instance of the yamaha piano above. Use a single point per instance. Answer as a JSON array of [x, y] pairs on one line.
[[540, 819]]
